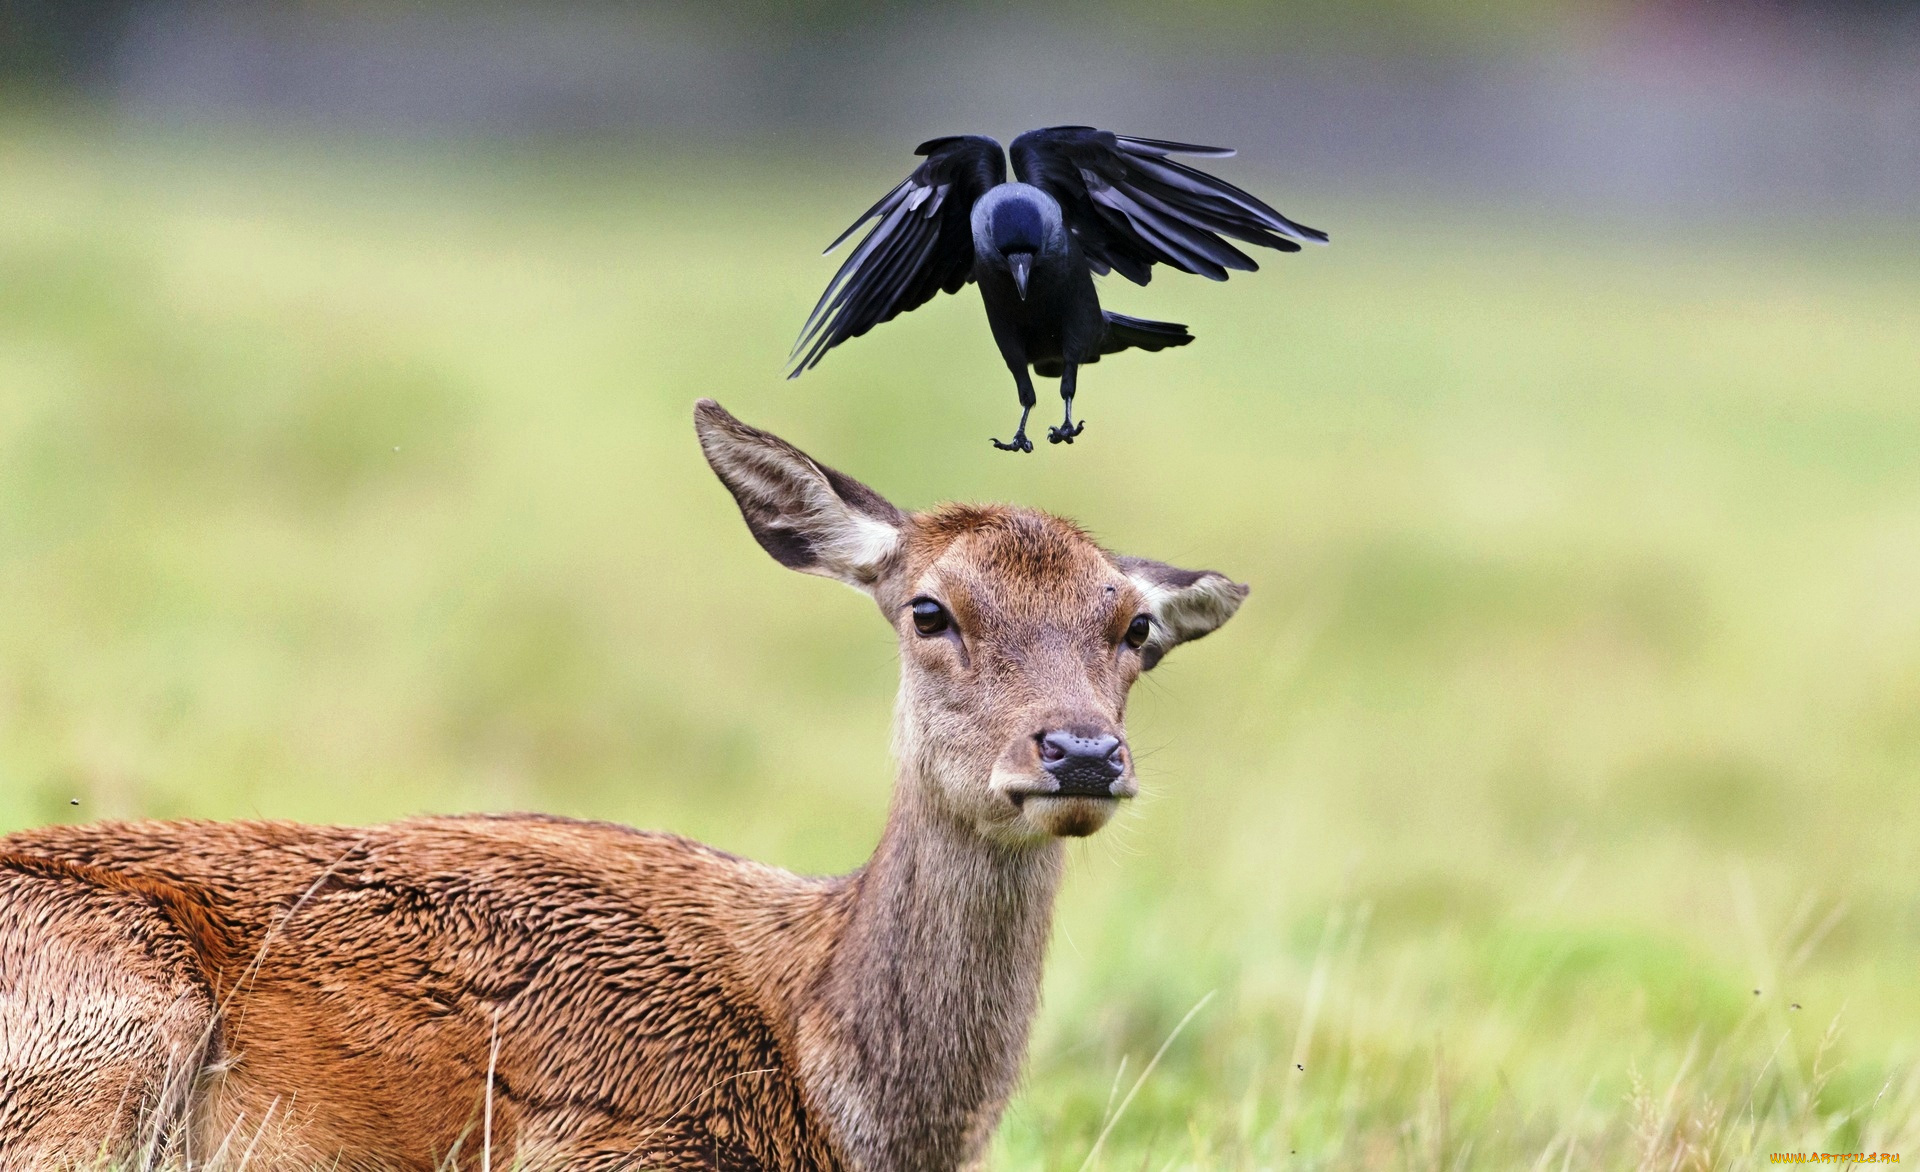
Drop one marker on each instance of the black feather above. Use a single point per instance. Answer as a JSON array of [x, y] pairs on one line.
[[912, 252], [1138, 333], [1131, 207]]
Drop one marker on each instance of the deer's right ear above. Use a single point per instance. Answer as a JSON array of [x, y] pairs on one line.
[[809, 517]]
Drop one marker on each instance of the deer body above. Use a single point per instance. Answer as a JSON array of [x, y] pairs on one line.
[[580, 995]]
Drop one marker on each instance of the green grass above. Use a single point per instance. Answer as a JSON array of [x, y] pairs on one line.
[[1577, 699]]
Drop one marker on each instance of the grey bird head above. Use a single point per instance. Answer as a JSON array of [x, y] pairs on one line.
[[1012, 224]]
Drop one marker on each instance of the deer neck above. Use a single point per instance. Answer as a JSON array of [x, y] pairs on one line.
[[932, 987]]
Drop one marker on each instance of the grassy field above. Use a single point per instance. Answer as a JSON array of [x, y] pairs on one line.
[[1552, 804]]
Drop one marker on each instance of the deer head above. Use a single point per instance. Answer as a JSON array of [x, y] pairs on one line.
[[1019, 636]]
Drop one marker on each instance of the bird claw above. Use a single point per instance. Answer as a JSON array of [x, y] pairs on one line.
[[1020, 443], [1064, 435]]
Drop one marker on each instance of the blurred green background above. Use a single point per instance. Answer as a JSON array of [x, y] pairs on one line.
[[1551, 804]]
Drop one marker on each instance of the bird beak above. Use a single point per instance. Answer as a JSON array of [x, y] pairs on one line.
[[1021, 263]]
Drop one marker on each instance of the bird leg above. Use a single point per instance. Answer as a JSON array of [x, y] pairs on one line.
[[1068, 429], [1020, 442]]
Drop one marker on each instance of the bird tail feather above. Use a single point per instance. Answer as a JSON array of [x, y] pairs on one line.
[[1137, 333]]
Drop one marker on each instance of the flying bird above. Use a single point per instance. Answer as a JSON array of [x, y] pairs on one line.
[[1085, 201]]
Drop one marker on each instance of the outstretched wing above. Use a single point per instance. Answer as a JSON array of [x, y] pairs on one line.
[[1131, 206], [921, 244]]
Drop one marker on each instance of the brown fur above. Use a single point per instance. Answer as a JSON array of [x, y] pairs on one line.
[[336, 996]]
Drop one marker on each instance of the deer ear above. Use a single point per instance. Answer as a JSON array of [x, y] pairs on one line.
[[809, 517], [1184, 604]]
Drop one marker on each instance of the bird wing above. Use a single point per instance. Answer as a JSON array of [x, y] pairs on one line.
[[1130, 206], [921, 244]]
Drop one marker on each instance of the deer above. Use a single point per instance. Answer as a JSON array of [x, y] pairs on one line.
[[530, 991]]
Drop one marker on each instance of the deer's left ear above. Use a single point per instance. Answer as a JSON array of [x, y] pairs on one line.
[[1184, 604]]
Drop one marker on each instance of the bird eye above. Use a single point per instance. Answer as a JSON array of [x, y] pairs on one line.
[[929, 617], [1138, 630]]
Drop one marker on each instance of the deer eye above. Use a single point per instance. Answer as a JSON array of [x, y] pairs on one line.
[[1138, 630], [929, 617]]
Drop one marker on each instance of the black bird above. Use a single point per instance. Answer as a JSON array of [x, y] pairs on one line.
[[1087, 201]]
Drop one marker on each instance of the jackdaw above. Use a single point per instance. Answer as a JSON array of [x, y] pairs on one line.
[[1087, 201]]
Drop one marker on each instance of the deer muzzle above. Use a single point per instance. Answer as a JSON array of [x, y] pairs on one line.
[[1083, 765]]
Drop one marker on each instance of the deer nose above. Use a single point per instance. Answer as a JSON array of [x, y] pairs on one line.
[[1082, 764]]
